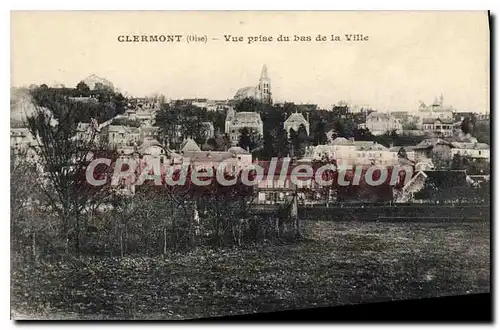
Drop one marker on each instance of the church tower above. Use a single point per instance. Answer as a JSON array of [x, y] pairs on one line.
[[264, 87]]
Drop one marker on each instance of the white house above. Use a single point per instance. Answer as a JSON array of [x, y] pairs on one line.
[[379, 123]]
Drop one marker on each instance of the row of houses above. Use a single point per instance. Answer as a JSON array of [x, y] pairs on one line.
[[235, 121], [435, 119]]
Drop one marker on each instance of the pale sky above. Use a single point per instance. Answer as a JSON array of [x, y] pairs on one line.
[[410, 56]]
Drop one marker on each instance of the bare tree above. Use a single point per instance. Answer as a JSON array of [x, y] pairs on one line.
[[64, 156]]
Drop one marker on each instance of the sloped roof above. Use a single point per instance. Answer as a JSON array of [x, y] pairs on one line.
[[297, 118], [238, 150], [428, 143], [123, 129], [213, 156], [381, 115], [369, 145], [469, 145], [245, 92], [189, 145], [342, 140], [247, 118], [433, 120], [20, 131], [397, 148], [209, 124]]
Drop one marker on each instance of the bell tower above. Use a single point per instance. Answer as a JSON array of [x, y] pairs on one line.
[[264, 87]]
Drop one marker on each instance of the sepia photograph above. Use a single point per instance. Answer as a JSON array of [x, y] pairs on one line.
[[198, 165]]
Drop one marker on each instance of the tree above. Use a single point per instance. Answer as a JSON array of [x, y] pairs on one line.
[[482, 132], [299, 141], [456, 162], [294, 141], [410, 126], [249, 104], [467, 125], [363, 134], [220, 142], [245, 141], [83, 88], [280, 144], [402, 153], [320, 136], [108, 106], [167, 120], [64, 159], [30, 222], [179, 122], [249, 139]]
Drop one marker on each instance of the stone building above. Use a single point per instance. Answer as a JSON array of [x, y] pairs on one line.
[[435, 110], [261, 92], [379, 123], [93, 81], [294, 122], [235, 121], [440, 126]]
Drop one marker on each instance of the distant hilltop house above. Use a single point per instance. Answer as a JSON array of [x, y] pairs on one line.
[[261, 92], [235, 121], [93, 81], [442, 126], [435, 110], [379, 123]]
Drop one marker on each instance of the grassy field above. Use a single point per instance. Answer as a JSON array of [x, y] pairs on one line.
[[337, 263]]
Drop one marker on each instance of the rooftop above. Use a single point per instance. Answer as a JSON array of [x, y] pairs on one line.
[[189, 145], [297, 117]]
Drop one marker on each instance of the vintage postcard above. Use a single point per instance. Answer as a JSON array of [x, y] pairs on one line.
[[183, 165]]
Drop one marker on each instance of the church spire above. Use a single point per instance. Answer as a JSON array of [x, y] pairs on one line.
[[264, 74], [264, 87]]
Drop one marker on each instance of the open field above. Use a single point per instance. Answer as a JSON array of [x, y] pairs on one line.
[[337, 263]]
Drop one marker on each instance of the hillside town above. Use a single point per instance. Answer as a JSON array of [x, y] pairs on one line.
[[249, 128], [250, 165], [122, 233]]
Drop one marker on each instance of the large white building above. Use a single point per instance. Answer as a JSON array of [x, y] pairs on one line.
[[350, 152], [379, 123], [93, 81], [435, 110]]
